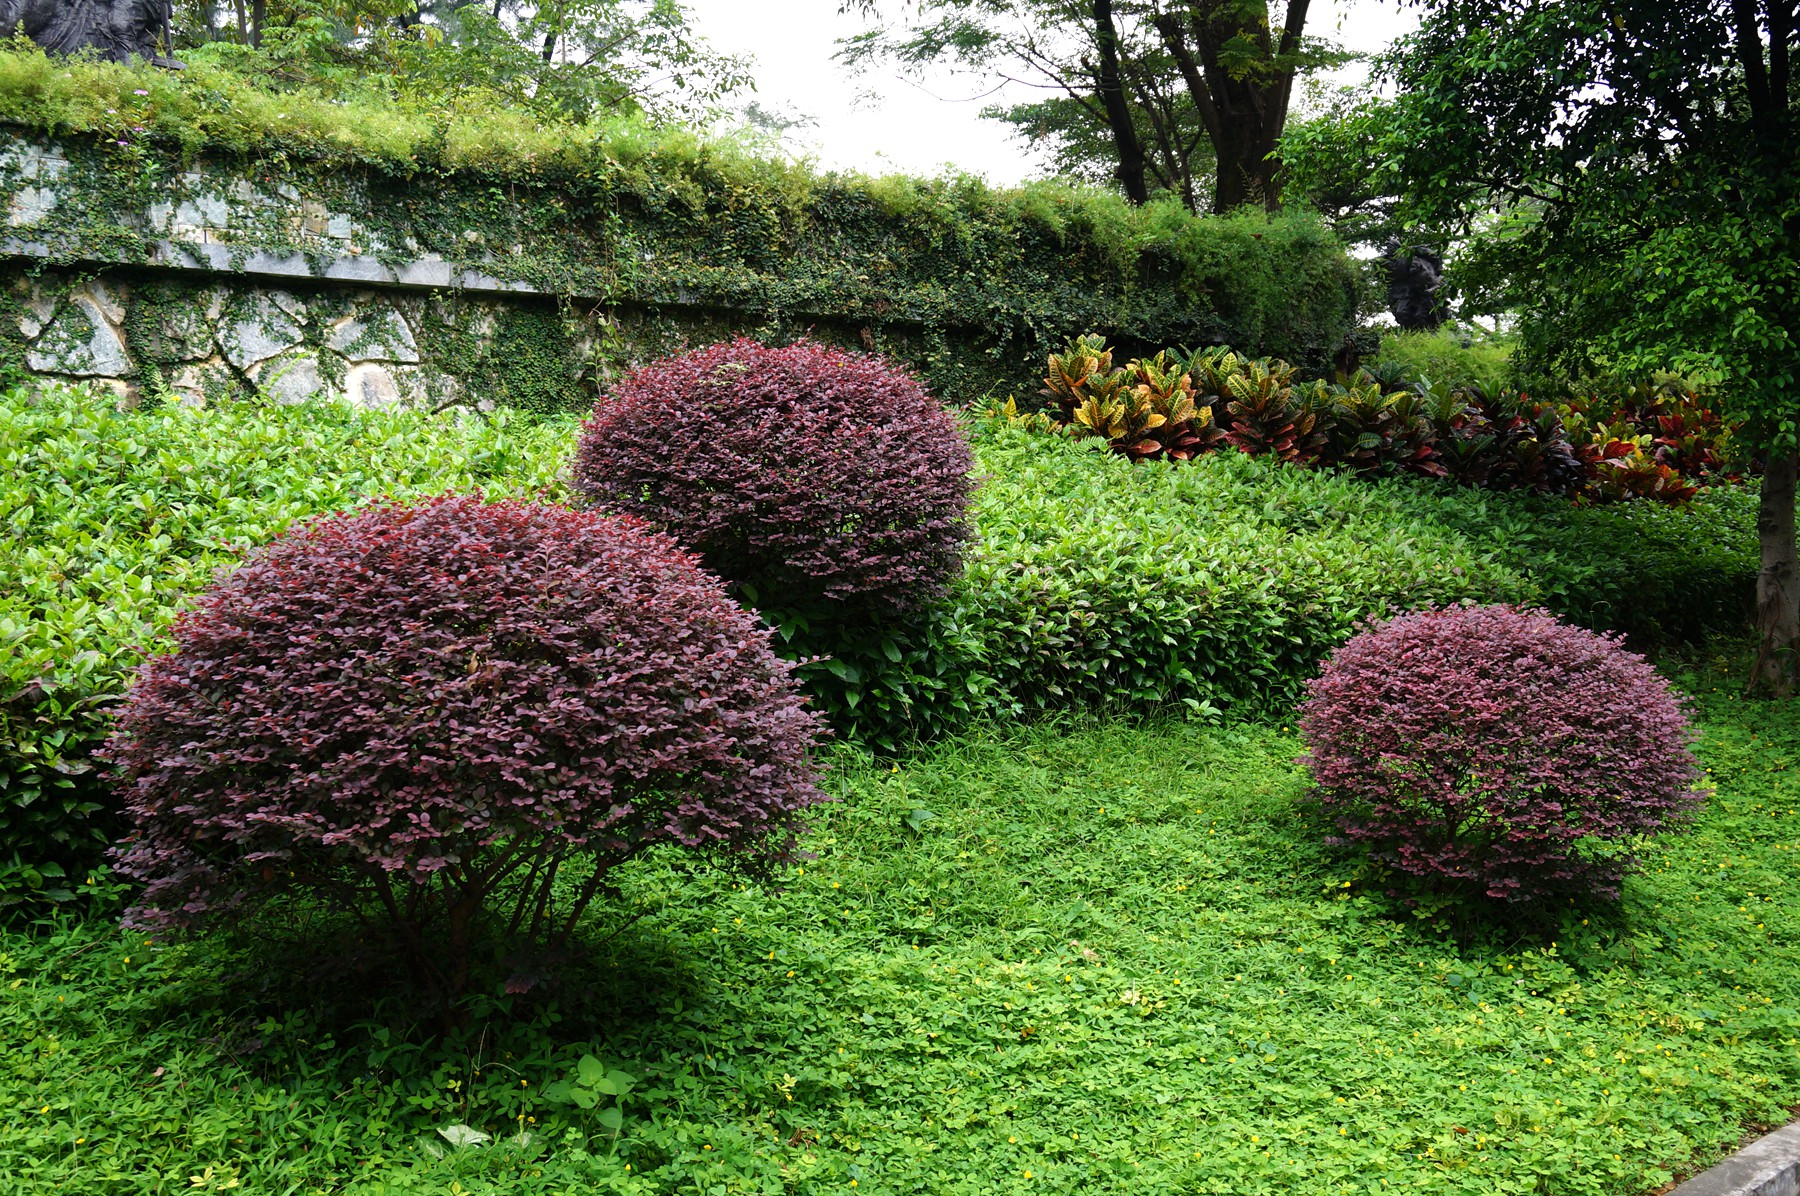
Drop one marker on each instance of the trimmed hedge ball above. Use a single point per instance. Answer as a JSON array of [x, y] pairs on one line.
[[801, 474], [452, 694], [1500, 748]]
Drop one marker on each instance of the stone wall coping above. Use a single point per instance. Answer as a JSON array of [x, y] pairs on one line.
[[433, 274], [1769, 1166]]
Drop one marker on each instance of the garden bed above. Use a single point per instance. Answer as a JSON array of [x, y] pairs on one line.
[[1113, 957]]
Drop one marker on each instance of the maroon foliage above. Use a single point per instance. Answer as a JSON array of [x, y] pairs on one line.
[[1498, 747], [426, 710], [804, 472]]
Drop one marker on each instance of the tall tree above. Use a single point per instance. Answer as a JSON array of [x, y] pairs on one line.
[[567, 59], [1238, 61], [1642, 153], [1115, 64], [1078, 137], [1079, 50]]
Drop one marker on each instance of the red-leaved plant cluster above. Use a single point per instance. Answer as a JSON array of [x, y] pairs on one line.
[[445, 716], [802, 473], [1658, 442], [1498, 749]]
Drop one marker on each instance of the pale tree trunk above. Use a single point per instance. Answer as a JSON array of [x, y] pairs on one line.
[[1778, 584]]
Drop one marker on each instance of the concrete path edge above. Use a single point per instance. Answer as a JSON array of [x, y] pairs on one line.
[[1769, 1166]]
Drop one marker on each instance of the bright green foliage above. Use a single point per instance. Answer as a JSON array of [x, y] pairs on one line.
[[552, 58], [1114, 956], [1446, 358], [1209, 584], [113, 518]]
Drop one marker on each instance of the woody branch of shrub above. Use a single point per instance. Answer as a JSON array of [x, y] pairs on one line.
[[454, 719], [1658, 442]]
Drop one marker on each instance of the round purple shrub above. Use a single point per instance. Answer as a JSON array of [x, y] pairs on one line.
[[1498, 747], [425, 710], [804, 473]]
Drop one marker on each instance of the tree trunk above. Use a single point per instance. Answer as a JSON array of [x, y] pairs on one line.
[[1244, 112], [259, 12], [1118, 112], [1778, 584], [461, 943]]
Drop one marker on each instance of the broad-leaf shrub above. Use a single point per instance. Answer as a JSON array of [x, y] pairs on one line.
[[804, 474], [428, 710], [1659, 442], [1098, 584], [1498, 748], [112, 517]]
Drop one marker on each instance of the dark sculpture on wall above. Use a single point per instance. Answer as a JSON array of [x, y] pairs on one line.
[[117, 30], [1415, 275]]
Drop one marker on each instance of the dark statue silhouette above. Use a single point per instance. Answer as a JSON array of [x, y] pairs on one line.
[[1415, 274], [117, 30]]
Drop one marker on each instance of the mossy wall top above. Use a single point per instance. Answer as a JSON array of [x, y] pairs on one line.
[[194, 171]]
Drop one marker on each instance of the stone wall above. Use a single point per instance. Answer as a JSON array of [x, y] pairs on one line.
[[222, 288], [220, 336], [192, 275]]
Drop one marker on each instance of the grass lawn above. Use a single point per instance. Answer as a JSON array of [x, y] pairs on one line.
[[1106, 958]]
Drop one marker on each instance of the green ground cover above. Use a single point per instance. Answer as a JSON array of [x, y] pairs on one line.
[[1069, 958]]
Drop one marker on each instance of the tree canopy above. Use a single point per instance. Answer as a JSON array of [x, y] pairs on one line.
[[564, 59], [1183, 96], [1635, 163]]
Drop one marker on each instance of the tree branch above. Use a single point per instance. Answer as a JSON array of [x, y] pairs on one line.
[[1750, 57], [1169, 26]]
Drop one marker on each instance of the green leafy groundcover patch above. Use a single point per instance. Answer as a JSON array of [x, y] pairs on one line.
[[1108, 958], [1218, 584]]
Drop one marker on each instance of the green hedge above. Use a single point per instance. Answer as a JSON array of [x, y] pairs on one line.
[[1219, 583], [112, 518], [970, 283], [1096, 585]]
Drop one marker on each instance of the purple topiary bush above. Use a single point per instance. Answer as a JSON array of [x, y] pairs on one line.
[[448, 715], [805, 473], [1498, 747]]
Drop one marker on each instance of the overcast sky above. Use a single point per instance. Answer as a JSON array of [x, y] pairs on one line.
[[880, 123]]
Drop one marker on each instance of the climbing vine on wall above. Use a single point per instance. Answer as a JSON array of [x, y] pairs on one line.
[[967, 282]]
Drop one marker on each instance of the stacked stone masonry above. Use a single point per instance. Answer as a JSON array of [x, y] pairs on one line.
[[187, 275], [233, 289]]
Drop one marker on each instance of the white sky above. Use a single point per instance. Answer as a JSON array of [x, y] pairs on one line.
[[879, 123]]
